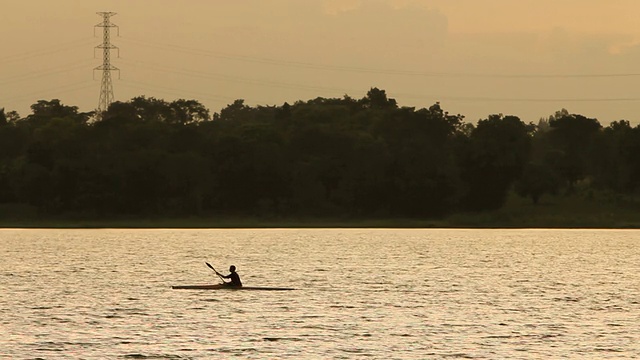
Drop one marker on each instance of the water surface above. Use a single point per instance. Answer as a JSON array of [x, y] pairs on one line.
[[379, 294]]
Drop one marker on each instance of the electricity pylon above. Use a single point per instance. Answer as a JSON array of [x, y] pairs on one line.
[[106, 89]]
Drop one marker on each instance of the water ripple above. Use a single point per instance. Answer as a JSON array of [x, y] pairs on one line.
[[380, 294]]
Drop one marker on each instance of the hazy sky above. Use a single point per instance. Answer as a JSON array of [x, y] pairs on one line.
[[527, 58]]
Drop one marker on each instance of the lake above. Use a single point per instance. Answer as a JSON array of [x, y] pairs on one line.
[[360, 293]]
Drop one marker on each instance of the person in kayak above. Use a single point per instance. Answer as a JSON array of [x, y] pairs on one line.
[[233, 276]]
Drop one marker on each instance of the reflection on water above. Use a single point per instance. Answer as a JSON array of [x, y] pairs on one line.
[[383, 294]]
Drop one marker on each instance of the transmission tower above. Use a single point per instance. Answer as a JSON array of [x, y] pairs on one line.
[[106, 89]]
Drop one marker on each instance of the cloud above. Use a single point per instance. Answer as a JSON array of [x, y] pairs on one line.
[[383, 22], [372, 33], [629, 46], [334, 7]]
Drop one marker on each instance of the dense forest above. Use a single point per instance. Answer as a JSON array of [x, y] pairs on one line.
[[337, 157]]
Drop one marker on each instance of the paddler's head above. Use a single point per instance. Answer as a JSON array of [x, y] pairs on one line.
[[232, 268]]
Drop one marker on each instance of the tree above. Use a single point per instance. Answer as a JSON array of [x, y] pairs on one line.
[[492, 159], [121, 112], [234, 112], [59, 147], [47, 110], [619, 166], [3, 118], [152, 109], [572, 138], [537, 180], [423, 178], [188, 111], [377, 99]]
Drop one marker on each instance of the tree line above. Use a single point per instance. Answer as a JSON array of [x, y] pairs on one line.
[[345, 157]]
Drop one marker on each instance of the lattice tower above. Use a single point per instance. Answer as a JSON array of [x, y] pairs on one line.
[[106, 89]]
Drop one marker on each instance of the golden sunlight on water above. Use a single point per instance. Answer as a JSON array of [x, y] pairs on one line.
[[382, 294]]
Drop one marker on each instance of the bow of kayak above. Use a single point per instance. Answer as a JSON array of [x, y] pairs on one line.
[[226, 287]]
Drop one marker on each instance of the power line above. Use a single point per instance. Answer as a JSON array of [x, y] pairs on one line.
[[200, 74], [354, 69], [58, 90], [173, 91], [530, 100], [80, 43], [45, 72]]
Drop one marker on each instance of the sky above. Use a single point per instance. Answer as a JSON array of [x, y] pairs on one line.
[[528, 58]]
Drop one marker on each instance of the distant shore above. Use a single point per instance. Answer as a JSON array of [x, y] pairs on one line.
[[557, 212]]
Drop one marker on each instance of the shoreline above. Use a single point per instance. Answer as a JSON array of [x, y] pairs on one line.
[[253, 223], [567, 212]]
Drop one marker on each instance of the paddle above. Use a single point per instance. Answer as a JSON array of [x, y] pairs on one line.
[[217, 273]]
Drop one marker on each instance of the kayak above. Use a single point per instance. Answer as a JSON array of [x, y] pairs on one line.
[[226, 287]]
